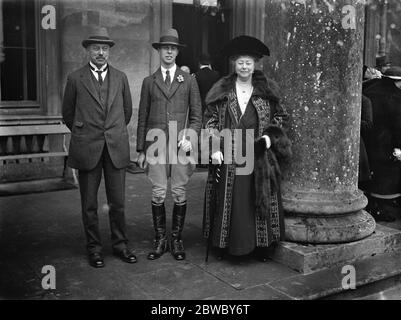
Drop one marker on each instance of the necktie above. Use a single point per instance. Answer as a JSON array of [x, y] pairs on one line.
[[99, 73], [99, 77], [167, 81]]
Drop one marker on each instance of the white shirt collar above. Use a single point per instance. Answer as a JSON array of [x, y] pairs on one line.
[[96, 68], [205, 66], [172, 71]]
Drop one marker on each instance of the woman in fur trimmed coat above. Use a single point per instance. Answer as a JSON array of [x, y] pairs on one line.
[[243, 210]]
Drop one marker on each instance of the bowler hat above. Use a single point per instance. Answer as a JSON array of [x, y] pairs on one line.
[[170, 37], [98, 35], [245, 45], [205, 59], [382, 61], [393, 73]]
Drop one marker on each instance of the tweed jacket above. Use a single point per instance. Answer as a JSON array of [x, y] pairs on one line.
[[94, 123], [160, 105]]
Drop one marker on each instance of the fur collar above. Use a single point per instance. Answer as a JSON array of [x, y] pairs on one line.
[[263, 87]]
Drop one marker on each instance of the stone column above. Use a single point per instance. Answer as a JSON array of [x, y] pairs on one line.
[[317, 60]]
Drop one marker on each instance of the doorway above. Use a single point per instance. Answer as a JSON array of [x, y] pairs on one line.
[[204, 29]]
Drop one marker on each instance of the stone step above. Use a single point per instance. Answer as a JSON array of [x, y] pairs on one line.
[[380, 270], [385, 289], [308, 259]]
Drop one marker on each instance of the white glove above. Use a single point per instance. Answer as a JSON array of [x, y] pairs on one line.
[[397, 153], [142, 160], [185, 145], [217, 156], [268, 142]]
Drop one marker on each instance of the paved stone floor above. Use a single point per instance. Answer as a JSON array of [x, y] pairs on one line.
[[45, 229]]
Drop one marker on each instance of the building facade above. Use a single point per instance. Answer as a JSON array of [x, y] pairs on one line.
[[40, 42]]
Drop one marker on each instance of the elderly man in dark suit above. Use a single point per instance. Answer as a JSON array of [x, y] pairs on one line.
[[169, 97], [206, 78], [96, 108]]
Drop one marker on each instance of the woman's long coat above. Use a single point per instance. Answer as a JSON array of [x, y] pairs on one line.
[[222, 113]]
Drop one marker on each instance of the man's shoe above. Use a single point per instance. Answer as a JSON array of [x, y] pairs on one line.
[[159, 248], [177, 249], [96, 260], [126, 256]]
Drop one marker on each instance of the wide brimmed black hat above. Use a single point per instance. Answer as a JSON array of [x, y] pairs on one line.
[[245, 45], [98, 35], [393, 73], [170, 37]]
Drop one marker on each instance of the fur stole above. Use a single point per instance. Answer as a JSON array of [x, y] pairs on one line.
[[263, 87], [267, 167]]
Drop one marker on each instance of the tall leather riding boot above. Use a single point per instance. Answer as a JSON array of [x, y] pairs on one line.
[[159, 222], [176, 245]]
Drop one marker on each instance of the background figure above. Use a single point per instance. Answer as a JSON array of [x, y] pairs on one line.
[[243, 212], [366, 125], [383, 145], [206, 78], [186, 69], [369, 77], [97, 108], [169, 94], [382, 64]]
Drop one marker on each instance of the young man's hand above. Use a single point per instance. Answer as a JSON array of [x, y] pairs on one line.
[[185, 145], [142, 160]]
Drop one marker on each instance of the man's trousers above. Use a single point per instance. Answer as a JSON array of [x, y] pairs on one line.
[[89, 182]]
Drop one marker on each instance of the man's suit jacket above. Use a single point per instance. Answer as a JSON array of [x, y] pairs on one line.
[[206, 79], [93, 123], [159, 105]]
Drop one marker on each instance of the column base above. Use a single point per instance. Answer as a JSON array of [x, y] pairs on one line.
[[329, 229], [312, 258]]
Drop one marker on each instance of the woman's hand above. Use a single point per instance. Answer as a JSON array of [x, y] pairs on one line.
[[218, 157], [397, 153]]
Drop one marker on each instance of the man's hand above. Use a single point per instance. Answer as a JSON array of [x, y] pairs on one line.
[[142, 160], [267, 140], [217, 156], [185, 145]]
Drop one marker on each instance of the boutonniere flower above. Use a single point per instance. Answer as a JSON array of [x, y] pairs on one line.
[[180, 78]]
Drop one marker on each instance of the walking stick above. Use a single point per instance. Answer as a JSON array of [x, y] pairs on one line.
[[185, 125], [216, 179]]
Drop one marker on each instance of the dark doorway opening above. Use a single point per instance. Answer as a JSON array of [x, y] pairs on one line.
[[204, 29]]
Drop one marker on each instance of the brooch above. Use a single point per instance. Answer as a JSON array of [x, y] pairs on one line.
[[180, 78]]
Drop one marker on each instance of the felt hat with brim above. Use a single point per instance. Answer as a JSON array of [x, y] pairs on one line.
[[393, 73], [170, 37], [245, 45], [98, 35], [382, 61]]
